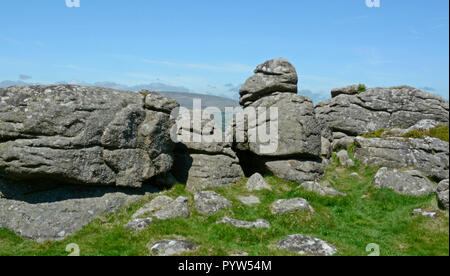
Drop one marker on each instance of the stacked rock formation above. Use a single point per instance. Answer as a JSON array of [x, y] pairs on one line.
[[296, 155], [391, 112], [203, 164], [352, 112], [84, 135]]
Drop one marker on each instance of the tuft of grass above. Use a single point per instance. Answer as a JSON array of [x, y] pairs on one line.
[[440, 132], [375, 134], [367, 215], [362, 88]]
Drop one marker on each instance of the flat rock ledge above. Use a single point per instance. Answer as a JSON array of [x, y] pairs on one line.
[[209, 202], [56, 220], [314, 186], [257, 183], [442, 193], [404, 182], [162, 208], [52, 215], [284, 206], [306, 245], [259, 223], [429, 155], [171, 247]]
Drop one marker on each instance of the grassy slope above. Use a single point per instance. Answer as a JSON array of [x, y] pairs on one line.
[[349, 223]]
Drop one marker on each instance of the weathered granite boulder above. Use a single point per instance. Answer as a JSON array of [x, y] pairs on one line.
[[405, 182], [346, 90], [297, 170], [171, 247], [298, 130], [276, 75], [341, 141], [314, 186], [379, 108], [344, 159], [163, 208], [202, 171], [279, 127], [209, 202], [257, 183], [84, 135], [138, 224], [284, 206], [203, 163], [429, 155], [306, 245], [176, 209], [443, 194], [424, 213], [154, 205], [260, 223]]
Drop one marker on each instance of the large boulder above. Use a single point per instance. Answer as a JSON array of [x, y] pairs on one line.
[[257, 183], [171, 247], [286, 206], [404, 182], [429, 155], [276, 75], [84, 135], [378, 108], [306, 245], [299, 132], [443, 194], [297, 170], [209, 202], [344, 159], [205, 163], [277, 131]]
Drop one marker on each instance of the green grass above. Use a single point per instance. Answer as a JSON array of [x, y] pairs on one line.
[[440, 132], [362, 88], [349, 223], [375, 134]]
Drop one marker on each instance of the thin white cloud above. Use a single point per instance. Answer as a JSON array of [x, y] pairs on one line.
[[415, 34], [371, 55], [230, 67]]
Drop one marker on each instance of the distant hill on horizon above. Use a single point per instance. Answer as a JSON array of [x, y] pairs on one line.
[[185, 99]]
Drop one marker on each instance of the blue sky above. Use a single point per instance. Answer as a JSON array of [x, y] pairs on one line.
[[213, 46]]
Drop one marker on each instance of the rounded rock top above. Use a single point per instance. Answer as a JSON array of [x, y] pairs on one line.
[[280, 66]]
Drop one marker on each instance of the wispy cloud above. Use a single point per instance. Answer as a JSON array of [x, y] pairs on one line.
[[229, 67], [24, 77], [39, 44], [352, 19], [372, 55], [10, 40], [428, 88], [415, 34]]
